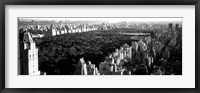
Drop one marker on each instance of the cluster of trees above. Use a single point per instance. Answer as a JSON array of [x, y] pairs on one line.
[[60, 54]]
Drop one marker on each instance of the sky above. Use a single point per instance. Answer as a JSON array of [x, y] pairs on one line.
[[111, 20]]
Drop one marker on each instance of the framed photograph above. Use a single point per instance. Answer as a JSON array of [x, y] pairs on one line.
[[99, 46]]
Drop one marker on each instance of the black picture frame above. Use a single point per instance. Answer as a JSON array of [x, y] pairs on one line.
[[3, 3]]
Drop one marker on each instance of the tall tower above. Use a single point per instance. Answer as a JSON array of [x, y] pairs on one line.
[[28, 56], [177, 27], [170, 27], [53, 30]]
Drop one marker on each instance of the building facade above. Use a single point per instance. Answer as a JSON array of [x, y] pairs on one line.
[[28, 56]]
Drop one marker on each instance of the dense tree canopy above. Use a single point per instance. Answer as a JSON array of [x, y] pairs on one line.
[[60, 54]]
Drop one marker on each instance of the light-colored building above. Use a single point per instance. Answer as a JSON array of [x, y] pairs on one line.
[[83, 68]]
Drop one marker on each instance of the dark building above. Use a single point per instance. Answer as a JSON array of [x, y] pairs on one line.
[[170, 26], [23, 59], [177, 27]]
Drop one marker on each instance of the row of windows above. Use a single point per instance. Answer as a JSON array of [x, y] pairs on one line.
[[33, 69], [32, 72], [34, 65], [33, 55], [32, 62]]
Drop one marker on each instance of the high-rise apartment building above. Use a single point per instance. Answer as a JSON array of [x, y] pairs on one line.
[[28, 56]]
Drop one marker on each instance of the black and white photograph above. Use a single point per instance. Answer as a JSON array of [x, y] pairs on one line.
[[99, 45]]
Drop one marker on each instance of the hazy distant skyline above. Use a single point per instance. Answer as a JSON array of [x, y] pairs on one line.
[[110, 19]]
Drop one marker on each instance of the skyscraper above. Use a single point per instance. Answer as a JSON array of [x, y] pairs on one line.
[[170, 27], [177, 27], [28, 56]]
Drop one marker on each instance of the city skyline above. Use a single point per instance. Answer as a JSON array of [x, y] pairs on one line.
[[81, 48], [106, 19]]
